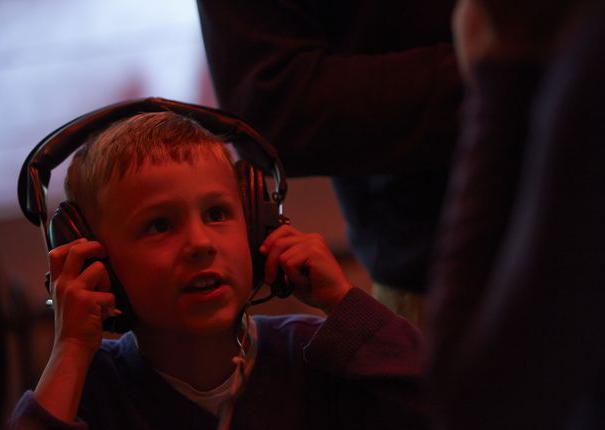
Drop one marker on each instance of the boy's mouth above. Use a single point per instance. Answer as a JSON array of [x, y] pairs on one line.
[[203, 283]]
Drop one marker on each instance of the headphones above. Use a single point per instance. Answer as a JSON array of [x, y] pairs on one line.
[[263, 209]]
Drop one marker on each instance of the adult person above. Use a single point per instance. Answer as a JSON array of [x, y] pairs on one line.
[[515, 338], [362, 91]]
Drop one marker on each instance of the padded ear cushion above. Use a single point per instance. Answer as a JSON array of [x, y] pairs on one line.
[[245, 174], [262, 216], [249, 188], [66, 225]]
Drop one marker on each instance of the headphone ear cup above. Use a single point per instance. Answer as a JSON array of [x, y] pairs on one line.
[[248, 190], [262, 216], [242, 168], [68, 224]]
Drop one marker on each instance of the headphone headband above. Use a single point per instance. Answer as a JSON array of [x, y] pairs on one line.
[[61, 143]]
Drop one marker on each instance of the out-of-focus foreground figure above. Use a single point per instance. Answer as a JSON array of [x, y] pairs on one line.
[[365, 92], [516, 316]]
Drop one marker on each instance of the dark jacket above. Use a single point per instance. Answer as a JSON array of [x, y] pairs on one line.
[[361, 90]]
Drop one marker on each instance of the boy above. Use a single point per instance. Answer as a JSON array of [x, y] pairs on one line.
[[161, 195]]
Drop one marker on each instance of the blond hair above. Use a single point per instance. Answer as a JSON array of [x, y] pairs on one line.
[[126, 145]]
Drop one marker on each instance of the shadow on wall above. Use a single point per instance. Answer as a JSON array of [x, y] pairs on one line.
[[18, 324]]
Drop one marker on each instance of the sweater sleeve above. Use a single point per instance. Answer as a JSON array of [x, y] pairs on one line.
[[378, 355], [362, 332], [29, 415], [326, 111]]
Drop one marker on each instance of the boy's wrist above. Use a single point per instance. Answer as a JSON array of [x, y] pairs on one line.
[[60, 386], [333, 302], [73, 351]]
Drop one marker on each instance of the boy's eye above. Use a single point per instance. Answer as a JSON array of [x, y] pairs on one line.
[[216, 214], [159, 225]]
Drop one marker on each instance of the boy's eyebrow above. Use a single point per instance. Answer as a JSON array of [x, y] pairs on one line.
[[166, 203], [216, 195]]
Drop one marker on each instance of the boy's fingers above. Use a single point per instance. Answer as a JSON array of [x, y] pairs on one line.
[[77, 255], [100, 301], [280, 232], [106, 305], [92, 301], [296, 264], [56, 257], [95, 277], [275, 251], [100, 298]]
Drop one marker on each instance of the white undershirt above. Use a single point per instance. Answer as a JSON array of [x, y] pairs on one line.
[[213, 399]]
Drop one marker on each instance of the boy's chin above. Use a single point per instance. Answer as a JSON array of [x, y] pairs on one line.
[[208, 323], [210, 329], [220, 323]]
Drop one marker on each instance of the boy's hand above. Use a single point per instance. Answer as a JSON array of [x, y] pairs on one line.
[[80, 295], [81, 300], [308, 264]]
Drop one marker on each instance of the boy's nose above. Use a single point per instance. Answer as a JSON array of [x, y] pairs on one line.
[[198, 243]]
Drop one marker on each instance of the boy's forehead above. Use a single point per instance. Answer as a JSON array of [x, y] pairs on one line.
[[206, 163], [203, 174]]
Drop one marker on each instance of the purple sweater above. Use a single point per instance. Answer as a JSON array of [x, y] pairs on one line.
[[357, 369]]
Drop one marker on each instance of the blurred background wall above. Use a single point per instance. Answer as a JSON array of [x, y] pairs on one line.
[[60, 59]]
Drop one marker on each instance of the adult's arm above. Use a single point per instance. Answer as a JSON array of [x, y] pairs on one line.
[[331, 113], [526, 348]]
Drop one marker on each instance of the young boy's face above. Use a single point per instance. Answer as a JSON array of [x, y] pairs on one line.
[[177, 239]]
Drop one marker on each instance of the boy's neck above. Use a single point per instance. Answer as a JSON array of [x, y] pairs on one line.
[[202, 362]]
